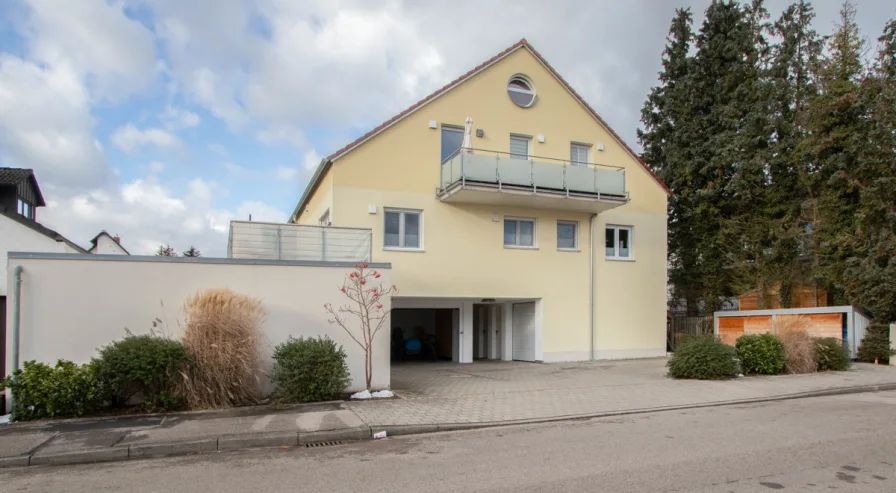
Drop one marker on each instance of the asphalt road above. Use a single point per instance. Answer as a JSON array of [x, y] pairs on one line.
[[840, 444]]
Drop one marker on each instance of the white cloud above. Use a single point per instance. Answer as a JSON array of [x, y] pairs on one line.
[[311, 160], [45, 123], [97, 39], [218, 149], [178, 118], [286, 173], [129, 138], [146, 213]]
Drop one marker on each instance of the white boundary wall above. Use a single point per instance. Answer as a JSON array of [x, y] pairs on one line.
[[72, 303]]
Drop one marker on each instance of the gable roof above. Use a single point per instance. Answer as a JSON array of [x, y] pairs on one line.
[[18, 177], [113, 238], [325, 163], [38, 227]]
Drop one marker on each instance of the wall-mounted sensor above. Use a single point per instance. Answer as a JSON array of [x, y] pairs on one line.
[[433, 124], [371, 209], [480, 132], [600, 147], [541, 139]]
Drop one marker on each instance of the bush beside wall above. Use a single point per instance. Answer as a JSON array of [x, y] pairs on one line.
[[760, 354], [875, 346], [704, 359], [147, 366], [64, 390], [830, 355], [309, 370]]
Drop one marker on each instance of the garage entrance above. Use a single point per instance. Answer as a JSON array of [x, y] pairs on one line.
[[423, 334]]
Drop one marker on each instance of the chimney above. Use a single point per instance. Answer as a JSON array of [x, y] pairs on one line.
[[117, 239]]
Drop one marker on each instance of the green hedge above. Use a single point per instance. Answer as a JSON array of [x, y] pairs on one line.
[[309, 370], [64, 390], [875, 346], [830, 355], [760, 354], [704, 359], [144, 365]]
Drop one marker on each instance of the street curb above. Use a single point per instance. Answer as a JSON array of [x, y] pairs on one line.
[[294, 439]]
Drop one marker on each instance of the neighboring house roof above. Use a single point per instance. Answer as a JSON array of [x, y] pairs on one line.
[[325, 163], [17, 177], [116, 239], [36, 226]]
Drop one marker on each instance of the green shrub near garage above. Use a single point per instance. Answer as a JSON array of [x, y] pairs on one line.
[[760, 354], [830, 355], [704, 358]]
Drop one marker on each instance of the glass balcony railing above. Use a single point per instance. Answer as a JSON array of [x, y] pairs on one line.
[[500, 169]]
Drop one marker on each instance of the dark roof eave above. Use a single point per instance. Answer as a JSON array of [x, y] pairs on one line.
[[318, 176]]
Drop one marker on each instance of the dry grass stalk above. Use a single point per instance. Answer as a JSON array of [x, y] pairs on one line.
[[799, 352], [223, 335]]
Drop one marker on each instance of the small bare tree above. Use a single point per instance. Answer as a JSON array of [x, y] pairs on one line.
[[366, 295]]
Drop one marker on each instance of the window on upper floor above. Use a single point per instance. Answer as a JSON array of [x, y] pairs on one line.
[[519, 146], [619, 243], [25, 209], [521, 91], [567, 235], [519, 232], [452, 139], [579, 154], [403, 229]]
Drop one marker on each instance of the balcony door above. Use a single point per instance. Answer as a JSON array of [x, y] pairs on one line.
[[452, 139]]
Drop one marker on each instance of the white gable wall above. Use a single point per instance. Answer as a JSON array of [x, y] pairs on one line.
[[107, 246], [15, 237]]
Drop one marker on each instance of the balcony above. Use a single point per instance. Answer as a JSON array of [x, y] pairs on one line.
[[498, 178], [273, 241]]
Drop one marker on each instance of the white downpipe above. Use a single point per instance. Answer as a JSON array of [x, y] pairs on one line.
[[591, 270], [16, 322]]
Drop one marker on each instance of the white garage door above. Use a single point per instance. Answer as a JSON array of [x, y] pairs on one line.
[[524, 331]]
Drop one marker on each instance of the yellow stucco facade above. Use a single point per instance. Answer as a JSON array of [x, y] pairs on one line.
[[463, 254]]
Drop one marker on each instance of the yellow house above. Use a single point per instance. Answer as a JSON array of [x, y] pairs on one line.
[[531, 233]]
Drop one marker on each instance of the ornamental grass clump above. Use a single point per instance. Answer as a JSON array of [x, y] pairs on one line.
[[222, 335]]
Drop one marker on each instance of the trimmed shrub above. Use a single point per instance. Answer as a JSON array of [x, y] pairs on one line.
[[704, 359], [761, 354], [875, 346], [829, 354], [222, 335], [309, 370], [145, 365], [44, 391], [799, 349]]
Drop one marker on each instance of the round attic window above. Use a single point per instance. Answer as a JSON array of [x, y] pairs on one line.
[[521, 91]]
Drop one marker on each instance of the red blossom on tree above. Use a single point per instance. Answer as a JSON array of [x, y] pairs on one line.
[[367, 306]]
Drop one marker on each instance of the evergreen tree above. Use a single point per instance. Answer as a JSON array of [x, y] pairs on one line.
[[165, 251], [665, 140], [836, 137], [790, 172], [192, 252], [870, 275]]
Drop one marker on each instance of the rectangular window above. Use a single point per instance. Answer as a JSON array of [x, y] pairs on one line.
[[403, 230], [619, 242], [519, 232], [324, 219], [452, 139], [579, 154], [567, 235], [519, 147], [25, 209]]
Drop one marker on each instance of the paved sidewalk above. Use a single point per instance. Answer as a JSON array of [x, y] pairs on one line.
[[496, 392], [432, 397]]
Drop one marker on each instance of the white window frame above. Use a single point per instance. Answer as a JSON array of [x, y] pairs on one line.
[[631, 242], [527, 138], [324, 219], [401, 232], [534, 245], [575, 247], [586, 148]]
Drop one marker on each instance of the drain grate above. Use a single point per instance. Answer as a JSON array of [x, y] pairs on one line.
[[323, 444]]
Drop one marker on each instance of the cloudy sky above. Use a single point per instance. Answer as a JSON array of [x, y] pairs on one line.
[[161, 120]]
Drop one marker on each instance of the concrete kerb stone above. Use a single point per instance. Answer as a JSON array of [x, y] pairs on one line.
[[176, 448], [16, 461], [258, 440], [359, 433], [81, 456]]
